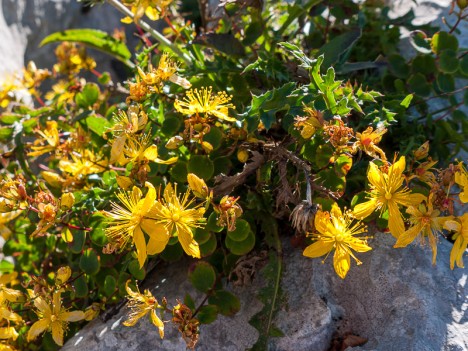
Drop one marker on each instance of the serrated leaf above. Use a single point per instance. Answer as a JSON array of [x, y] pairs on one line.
[[93, 38], [407, 100]]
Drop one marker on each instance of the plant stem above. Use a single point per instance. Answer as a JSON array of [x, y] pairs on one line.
[[154, 33]]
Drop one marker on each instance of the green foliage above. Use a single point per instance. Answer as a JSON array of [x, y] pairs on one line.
[[214, 142]]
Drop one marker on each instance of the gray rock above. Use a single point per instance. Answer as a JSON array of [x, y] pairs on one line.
[[24, 23], [396, 299]]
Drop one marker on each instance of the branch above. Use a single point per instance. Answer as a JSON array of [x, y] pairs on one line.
[[226, 184]]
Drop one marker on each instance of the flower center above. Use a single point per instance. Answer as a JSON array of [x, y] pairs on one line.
[[175, 217], [53, 318], [388, 195]]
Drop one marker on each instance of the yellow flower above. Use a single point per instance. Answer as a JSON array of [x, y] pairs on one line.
[[140, 150], [166, 70], [6, 217], [204, 101], [423, 172], [337, 231], [154, 9], [422, 151], [367, 141], [140, 305], [61, 92], [461, 178], [8, 295], [52, 317], [387, 192], [128, 222], [72, 58], [460, 227], [425, 222], [8, 333], [50, 135], [179, 219], [126, 125], [82, 164], [198, 186], [309, 124]]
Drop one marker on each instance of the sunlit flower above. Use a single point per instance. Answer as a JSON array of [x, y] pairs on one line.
[[228, 211], [61, 92], [460, 227], [179, 219], [52, 317], [337, 231], [139, 150], [422, 151], [367, 141], [425, 222], [203, 101], [386, 193], [126, 124], [154, 9], [7, 296], [166, 71], [309, 124], [72, 58], [137, 91], [8, 333], [83, 164], [461, 178], [50, 137], [128, 222], [424, 173], [6, 217], [140, 305]]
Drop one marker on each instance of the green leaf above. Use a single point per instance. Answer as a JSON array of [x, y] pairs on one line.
[[323, 155], [227, 303], [464, 65], [224, 42], [212, 225], [170, 126], [419, 85], [93, 38], [241, 232], [6, 133], [214, 137], [201, 166], [424, 64], [6, 266], [78, 241], [338, 47], [98, 125], [207, 314], [420, 42], [343, 165], [110, 284], [209, 246], [81, 287], [445, 82], [202, 276], [201, 235], [179, 172], [448, 61], [135, 270], [89, 262], [243, 247], [88, 96], [398, 65], [442, 41], [407, 100]]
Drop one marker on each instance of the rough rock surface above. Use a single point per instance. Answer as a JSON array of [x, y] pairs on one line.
[[24, 23], [396, 299]]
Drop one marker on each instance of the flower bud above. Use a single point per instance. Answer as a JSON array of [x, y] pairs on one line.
[[207, 147], [422, 151], [174, 142], [462, 4], [242, 155], [63, 274], [198, 186]]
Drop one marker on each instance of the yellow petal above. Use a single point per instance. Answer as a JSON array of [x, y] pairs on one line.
[[452, 226], [151, 153], [374, 175], [8, 216], [395, 220], [159, 236], [140, 244], [341, 262], [150, 197], [168, 161], [126, 20], [318, 249], [458, 249], [322, 218], [117, 148], [8, 333], [124, 182], [408, 236], [42, 306], [73, 316], [397, 169], [57, 333], [37, 328], [365, 209], [157, 322], [358, 245], [189, 245]]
